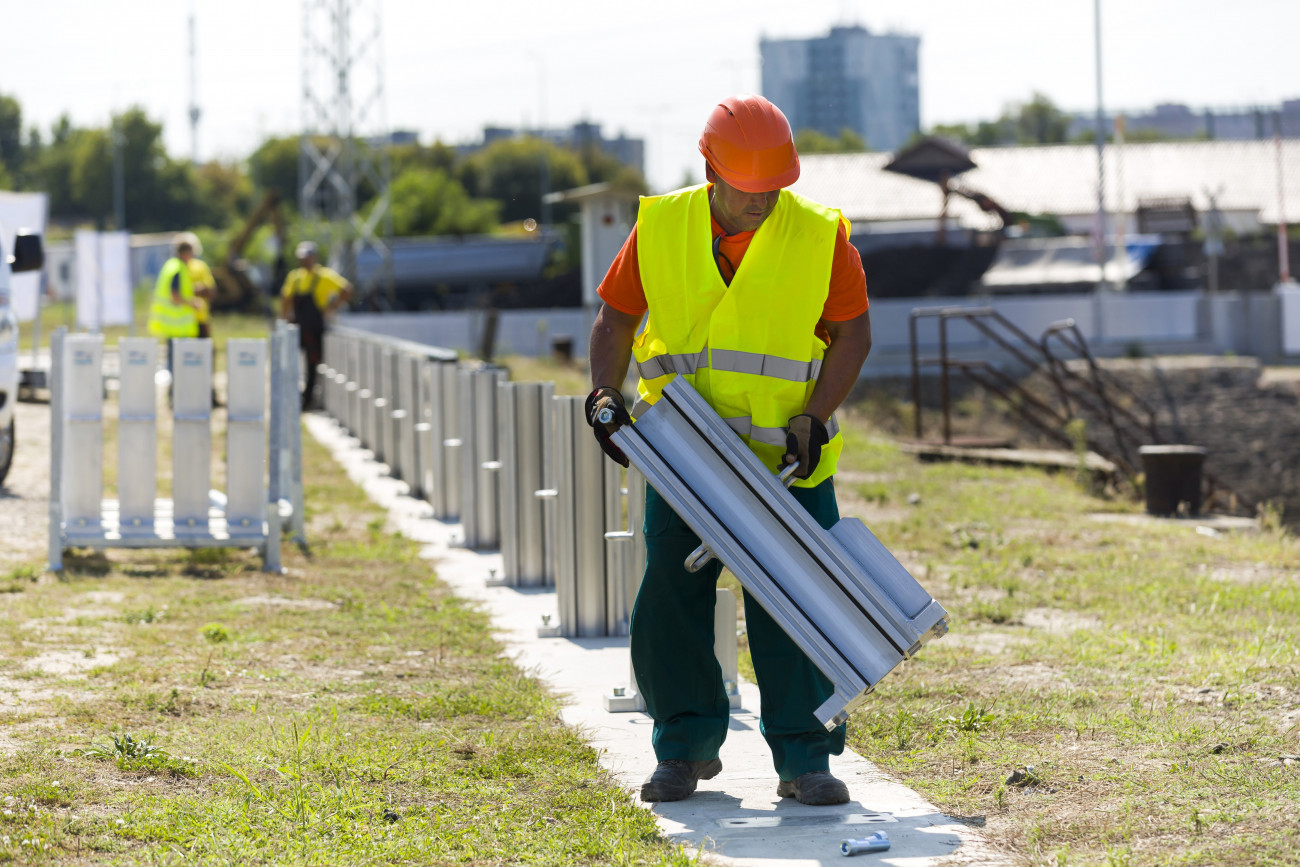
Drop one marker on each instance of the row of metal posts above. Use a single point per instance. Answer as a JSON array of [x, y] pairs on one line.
[[517, 466]]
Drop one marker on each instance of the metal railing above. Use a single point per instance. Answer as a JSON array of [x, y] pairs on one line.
[[1093, 394], [515, 464]]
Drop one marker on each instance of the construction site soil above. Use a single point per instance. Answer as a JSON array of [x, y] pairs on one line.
[[1245, 415]]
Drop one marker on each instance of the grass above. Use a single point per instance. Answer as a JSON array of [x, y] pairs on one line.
[[350, 711], [64, 314], [1146, 674]]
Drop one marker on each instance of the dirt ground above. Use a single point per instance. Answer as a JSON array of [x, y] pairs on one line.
[[25, 495]]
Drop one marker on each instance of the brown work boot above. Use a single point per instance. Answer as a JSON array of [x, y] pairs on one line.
[[676, 779], [816, 788]]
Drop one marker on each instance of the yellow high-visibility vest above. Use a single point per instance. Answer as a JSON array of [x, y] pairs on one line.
[[749, 349], [201, 274], [173, 320]]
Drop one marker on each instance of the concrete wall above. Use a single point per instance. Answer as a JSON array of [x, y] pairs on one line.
[[1114, 324], [519, 332]]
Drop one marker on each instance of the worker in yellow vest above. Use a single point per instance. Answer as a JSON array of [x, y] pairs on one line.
[[205, 288], [205, 285], [756, 297], [174, 311], [311, 295]]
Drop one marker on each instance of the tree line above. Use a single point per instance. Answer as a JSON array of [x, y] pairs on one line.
[[434, 190]]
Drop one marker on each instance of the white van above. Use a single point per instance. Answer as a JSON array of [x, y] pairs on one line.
[[27, 255]]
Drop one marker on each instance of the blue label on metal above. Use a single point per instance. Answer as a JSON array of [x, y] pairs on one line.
[[83, 356], [247, 359], [135, 356], [192, 359]]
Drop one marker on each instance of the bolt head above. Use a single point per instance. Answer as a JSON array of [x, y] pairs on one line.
[[619, 691]]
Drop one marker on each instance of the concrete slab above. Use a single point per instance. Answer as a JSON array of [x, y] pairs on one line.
[[735, 818]]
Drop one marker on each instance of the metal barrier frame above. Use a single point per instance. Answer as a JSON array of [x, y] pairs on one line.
[[283, 479]]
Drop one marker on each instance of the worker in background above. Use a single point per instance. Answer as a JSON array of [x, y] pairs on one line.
[[205, 287], [311, 295], [175, 307], [756, 297]]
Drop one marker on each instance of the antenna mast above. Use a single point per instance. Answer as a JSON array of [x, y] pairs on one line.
[[195, 112], [345, 142]]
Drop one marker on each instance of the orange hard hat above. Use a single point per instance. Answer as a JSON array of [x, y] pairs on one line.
[[748, 142]]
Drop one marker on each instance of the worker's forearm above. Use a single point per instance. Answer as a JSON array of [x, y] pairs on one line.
[[840, 370], [609, 352]]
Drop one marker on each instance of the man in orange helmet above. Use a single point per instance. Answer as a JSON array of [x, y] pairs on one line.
[[755, 295]]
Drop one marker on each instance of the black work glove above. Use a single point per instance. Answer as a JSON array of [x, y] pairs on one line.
[[804, 439], [609, 401]]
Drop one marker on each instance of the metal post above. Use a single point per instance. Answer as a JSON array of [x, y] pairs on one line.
[[191, 434], [508, 436], [452, 445], [392, 397], [1283, 250], [423, 430], [353, 417], [293, 440], [56, 450], [479, 477], [724, 643], [246, 441], [916, 374], [83, 422], [567, 410], [383, 388], [408, 373], [587, 498], [275, 477], [618, 602], [137, 434], [365, 413], [523, 417], [1101, 157], [943, 379]]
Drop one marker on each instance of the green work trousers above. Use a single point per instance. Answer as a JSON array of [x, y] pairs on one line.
[[679, 676]]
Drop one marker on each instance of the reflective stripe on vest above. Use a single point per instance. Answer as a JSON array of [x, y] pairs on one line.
[[744, 425], [733, 360], [662, 365], [749, 348]]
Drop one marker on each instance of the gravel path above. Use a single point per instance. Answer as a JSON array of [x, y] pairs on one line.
[[25, 495]]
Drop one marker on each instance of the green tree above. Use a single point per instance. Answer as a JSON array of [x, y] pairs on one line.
[[811, 141], [510, 171], [11, 138], [160, 192], [274, 166], [1039, 121], [417, 156], [52, 168], [223, 194], [430, 202]]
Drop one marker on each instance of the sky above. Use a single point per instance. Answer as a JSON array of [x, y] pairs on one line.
[[650, 70]]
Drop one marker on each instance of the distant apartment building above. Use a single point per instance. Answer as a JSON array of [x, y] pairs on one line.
[[1175, 120], [851, 78], [584, 134]]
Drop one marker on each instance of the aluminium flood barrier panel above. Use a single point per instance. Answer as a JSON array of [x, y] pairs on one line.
[[526, 428], [839, 594], [195, 516]]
